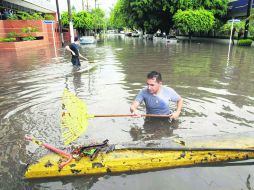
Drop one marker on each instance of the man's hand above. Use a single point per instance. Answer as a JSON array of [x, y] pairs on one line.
[[175, 115], [134, 109], [136, 113]]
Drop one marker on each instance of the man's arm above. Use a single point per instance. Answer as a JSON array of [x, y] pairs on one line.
[[69, 49], [83, 57], [134, 108], [179, 106]]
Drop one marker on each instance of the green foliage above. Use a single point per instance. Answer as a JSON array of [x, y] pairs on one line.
[[25, 15], [65, 19], [116, 19], [98, 18], [12, 35], [251, 17], [13, 17], [251, 38], [29, 29], [29, 38], [7, 39], [83, 20], [244, 42], [190, 21], [217, 7], [147, 15], [37, 16], [49, 17], [151, 15], [226, 28]]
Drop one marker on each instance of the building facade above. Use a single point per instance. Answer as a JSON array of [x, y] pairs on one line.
[[238, 8], [43, 6], [46, 34]]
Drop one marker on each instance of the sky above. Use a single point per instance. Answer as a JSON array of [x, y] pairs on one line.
[[103, 4]]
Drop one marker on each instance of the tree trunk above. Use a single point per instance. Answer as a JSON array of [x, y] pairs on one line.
[[190, 33]]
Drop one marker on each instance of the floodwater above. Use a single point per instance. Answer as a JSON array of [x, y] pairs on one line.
[[218, 101]]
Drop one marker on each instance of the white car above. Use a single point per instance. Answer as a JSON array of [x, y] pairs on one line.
[[87, 40]]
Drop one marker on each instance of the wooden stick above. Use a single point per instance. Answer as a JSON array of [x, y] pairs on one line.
[[131, 115]]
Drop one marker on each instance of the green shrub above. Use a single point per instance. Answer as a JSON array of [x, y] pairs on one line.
[[25, 15], [244, 42], [37, 16], [251, 37], [21, 15], [49, 17], [13, 17], [29, 38], [29, 29], [12, 35], [7, 39]]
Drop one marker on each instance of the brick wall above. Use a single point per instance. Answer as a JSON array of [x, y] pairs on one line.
[[45, 30]]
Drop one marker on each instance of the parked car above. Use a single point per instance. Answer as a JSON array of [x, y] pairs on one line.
[[148, 36], [127, 33], [172, 39], [87, 40], [135, 34]]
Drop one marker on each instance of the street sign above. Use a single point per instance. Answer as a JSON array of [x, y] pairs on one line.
[[234, 20], [49, 21]]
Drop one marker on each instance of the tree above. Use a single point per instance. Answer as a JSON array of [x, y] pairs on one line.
[[217, 7], [98, 16], [251, 24], [226, 28], [116, 19], [82, 21], [146, 15], [65, 19], [190, 21], [151, 15], [85, 20]]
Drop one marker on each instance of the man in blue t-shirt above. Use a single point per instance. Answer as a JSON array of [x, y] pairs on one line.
[[157, 98], [74, 49]]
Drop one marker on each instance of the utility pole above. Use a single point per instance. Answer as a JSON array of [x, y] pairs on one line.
[[70, 21], [87, 5], [246, 28], [83, 7], [95, 18], [59, 24]]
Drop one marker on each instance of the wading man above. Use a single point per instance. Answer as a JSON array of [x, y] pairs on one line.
[[157, 98], [74, 49]]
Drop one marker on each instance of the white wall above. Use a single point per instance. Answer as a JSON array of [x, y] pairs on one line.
[[46, 6]]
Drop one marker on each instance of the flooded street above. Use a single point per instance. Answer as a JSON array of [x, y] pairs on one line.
[[218, 100]]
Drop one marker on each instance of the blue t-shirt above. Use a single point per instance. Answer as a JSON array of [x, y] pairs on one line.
[[75, 48], [159, 103]]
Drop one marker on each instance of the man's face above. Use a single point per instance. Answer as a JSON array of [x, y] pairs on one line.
[[153, 86]]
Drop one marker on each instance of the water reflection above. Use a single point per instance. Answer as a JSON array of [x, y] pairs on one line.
[[154, 129]]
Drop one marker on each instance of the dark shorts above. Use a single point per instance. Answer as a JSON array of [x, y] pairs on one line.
[[75, 61]]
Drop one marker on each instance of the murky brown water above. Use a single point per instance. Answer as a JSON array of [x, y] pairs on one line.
[[218, 100]]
